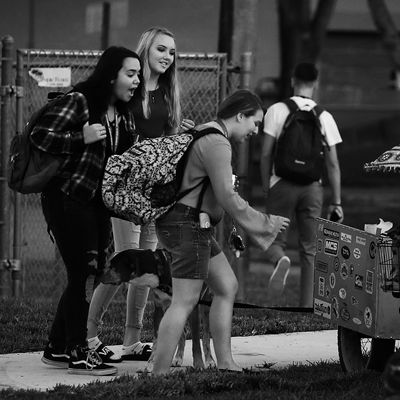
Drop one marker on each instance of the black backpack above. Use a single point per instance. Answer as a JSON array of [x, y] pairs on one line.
[[29, 168], [299, 153]]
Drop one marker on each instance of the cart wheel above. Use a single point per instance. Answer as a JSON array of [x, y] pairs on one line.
[[358, 351]]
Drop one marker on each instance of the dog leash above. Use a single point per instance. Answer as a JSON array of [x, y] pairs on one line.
[[237, 304]]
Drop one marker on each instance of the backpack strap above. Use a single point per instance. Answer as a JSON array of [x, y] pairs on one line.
[[181, 195], [317, 111], [206, 180], [291, 105]]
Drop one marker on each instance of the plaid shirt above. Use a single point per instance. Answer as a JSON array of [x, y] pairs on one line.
[[59, 131]]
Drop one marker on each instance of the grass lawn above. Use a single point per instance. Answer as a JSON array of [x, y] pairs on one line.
[[320, 381]]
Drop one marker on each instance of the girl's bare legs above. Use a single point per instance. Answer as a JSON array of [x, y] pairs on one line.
[[223, 284], [186, 293]]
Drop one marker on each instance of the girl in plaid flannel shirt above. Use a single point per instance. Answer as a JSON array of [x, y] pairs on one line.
[[86, 126]]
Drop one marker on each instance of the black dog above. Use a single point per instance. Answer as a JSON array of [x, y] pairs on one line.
[[152, 268], [143, 267]]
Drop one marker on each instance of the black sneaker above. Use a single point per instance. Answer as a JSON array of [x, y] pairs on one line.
[[55, 358], [84, 361], [106, 354]]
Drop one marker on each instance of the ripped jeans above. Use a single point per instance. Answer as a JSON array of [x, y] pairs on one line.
[[126, 236], [82, 232]]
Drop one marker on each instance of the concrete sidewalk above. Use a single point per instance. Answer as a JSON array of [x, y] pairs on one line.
[[26, 371]]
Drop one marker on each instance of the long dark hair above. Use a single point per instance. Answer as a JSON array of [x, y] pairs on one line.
[[98, 88], [242, 101]]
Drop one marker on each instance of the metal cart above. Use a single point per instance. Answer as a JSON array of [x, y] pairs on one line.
[[357, 286]]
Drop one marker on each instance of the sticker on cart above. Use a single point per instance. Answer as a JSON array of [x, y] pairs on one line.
[[361, 240], [331, 233], [372, 249], [331, 247], [332, 280], [321, 266], [342, 293], [336, 264], [344, 314], [357, 321], [320, 227], [344, 271], [358, 282], [345, 237], [327, 293], [354, 301], [356, 253], [322, 308], [335, 307], [351, 270], [321, 286], [345, 252], [319, 245], [369, 282], [368, 317]]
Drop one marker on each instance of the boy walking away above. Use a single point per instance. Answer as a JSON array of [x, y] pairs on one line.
[[299, 139]]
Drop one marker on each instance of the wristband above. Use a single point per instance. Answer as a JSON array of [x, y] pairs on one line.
[[336, 204]]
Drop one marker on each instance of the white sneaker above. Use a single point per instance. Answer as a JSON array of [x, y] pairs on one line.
[[277, 281], [136, 352]]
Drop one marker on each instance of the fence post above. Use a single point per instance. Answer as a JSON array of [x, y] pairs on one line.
[[16, 269], [105, 25], [246, 67], [242, 263], [6, 91], [223, 89]]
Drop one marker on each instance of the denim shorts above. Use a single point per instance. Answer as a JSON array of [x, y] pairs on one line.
[[190, 246]]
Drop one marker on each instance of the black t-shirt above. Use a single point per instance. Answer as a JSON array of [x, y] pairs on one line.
[[125, 138], [157, 123]]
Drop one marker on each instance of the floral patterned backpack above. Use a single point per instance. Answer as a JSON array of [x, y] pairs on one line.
[[143, 183]]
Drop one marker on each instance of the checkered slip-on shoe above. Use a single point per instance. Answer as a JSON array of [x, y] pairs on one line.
[[84, 361]]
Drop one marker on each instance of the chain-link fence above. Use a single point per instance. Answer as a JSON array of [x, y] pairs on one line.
[[205, 80]]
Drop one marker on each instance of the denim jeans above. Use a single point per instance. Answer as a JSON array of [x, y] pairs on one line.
[[302, 203], [191, 247], [82, 232], [126, 236]]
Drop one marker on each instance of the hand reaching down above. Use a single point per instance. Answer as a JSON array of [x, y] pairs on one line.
[[284, 223], [273, 224]]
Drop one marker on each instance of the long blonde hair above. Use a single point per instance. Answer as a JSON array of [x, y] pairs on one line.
[[168, 81]]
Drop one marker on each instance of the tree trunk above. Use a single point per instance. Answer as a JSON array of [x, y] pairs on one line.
[[301, 34], [244, 36], [387, 28], [225, 34]]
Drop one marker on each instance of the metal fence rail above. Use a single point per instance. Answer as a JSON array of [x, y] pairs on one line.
[[205, 80]]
